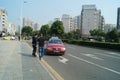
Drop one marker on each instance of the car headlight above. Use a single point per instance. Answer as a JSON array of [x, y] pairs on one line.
[[63, 49]]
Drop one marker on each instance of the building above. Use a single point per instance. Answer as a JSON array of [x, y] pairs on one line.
[[3, 20], [28, 22], [77, 22], [72, 26], [11, 29], [109, 27], [36, 27], [118, 19], [90, 19], [102, 23], [66, 22]]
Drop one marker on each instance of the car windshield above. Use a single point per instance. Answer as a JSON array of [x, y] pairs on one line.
[[55, 41]]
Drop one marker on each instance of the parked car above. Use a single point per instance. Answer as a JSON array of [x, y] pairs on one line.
[[55, 46], [5, 38], [12, 37]]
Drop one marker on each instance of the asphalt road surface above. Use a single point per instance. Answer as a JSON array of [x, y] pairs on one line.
[[84, 63]]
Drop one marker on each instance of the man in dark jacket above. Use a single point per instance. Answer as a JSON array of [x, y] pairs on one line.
[[34, 43], [41, 46]]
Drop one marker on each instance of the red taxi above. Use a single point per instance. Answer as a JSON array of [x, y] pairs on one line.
[[55, 46]]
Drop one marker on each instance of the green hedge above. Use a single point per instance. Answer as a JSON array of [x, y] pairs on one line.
[[107, 45]]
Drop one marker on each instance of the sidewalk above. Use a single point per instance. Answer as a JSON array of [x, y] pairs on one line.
[[17, 63]]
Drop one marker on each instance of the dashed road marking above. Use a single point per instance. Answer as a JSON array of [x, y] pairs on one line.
[[113, 53], [92, 56], [63, 60], [108, 55], [102, 67]]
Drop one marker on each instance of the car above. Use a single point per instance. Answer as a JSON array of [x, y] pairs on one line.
[[12, 37], [55, 46], [5, 38]]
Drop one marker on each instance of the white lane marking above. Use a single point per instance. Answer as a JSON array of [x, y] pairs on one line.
[[102, 67], [63, 60], [91, 56], [108, 55], [113, 53]]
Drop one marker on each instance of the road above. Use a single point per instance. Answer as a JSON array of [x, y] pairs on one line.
[[84, 63], [79, 63]]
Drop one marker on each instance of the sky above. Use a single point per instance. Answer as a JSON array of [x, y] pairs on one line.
[[43, 11]]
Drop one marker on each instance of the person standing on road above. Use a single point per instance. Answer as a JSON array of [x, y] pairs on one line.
[[41, 46], [34, 43]]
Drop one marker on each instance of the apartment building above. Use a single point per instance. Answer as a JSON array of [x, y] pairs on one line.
[[90, 19], [36, 27], [11, 29], [66, 22], [77, 22], [118, 19], [3, 20], [28, 22], [109, 27]]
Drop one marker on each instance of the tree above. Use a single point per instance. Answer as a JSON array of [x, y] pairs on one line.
[[97, 32], [27, 31], [77, 33], [119, 34], [36, 32], [112, 36], [45, 30], [57, 28], [71, 35]]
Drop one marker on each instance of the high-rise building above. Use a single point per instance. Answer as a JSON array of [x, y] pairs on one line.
[[109, 27], [72, 25], [118, 19], [11, 29], [90, 19], [66, 22], [77, 22], [102, 23], [28, 22], [36, 27], [3, 20]]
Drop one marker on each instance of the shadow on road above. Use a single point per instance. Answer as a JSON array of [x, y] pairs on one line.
[[27, 55]]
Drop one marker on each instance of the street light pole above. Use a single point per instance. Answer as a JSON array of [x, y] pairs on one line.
[[21, 16]]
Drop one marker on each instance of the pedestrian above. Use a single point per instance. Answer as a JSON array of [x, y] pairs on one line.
[[19, 38], [34, 44], [41, 46]]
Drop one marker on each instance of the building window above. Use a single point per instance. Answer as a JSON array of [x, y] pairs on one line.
[[3, 15], [3, 24], [3, 18], [3, 21]]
